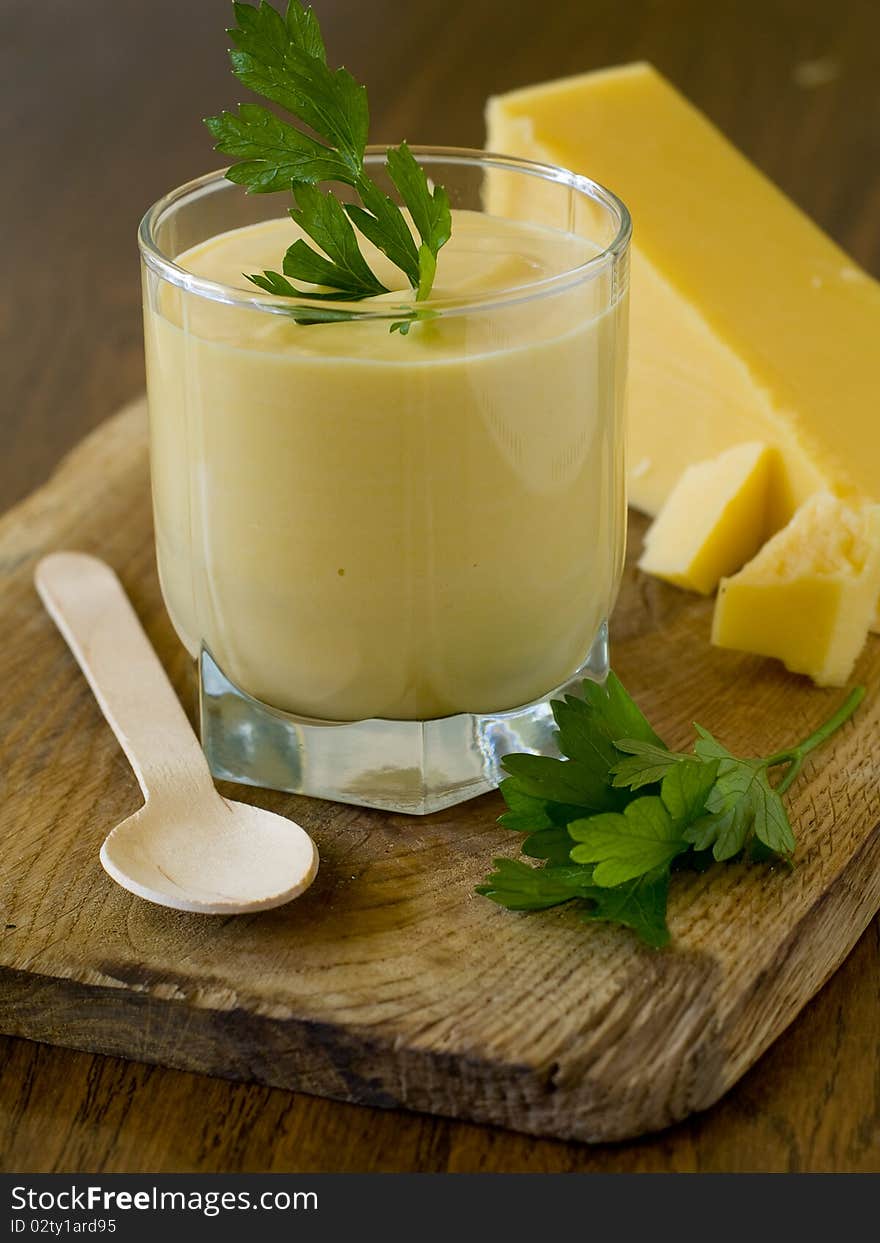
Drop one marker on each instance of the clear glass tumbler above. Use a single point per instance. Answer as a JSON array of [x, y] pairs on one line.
[[388, 551]]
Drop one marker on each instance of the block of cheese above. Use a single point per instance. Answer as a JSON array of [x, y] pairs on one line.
[[809, 595], [714, 519], [748, 323]]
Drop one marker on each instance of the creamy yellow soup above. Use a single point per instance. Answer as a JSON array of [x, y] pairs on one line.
[[358, 523]]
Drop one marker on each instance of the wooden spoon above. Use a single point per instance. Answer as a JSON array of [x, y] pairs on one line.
[[187, 847]]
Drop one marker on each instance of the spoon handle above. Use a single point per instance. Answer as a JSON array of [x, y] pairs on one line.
[[87, 602]]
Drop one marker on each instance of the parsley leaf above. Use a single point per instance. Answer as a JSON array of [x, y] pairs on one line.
[[544, 822], [584, 736], [612, 849], [625, 845], [687, 787], [617, 713], [282, 58], [323, 218], [272, 153], [707, 747], [429, 209], [586, 731], [639, 904], [588, 726], [553, 845], [646, 763], [527, 812], [561, 781], [263, 32], [275, 283], [519, 887], [303, 30], [382, 223], [741, 803], [649, 833]]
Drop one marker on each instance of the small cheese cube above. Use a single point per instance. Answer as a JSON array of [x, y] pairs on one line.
[[714, 520], [809, 595]]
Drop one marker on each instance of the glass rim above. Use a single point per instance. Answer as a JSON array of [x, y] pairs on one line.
[[276, 304]]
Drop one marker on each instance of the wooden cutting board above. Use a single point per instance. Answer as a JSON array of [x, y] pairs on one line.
[[390, 983]]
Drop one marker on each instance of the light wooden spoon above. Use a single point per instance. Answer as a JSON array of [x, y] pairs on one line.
[[187, 847]]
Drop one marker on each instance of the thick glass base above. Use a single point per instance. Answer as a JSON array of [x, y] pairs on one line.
[[407, 766]]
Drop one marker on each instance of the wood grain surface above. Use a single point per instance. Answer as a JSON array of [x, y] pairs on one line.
[[100, 116], [376, 986]]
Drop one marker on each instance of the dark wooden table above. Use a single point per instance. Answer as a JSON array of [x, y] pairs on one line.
[[100, 115]]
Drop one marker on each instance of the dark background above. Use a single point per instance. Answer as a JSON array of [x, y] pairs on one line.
[[100, 114]]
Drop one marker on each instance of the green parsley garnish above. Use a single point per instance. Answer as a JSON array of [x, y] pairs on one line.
[[620, 811], [282, 59]]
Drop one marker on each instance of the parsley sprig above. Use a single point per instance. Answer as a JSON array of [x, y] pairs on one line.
[[283, 59], [620, 811]]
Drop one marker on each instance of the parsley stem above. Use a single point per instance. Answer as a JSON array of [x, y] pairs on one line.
[[795, 756], [791, 774]]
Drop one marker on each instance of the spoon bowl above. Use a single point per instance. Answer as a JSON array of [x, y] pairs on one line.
[[228, 859]]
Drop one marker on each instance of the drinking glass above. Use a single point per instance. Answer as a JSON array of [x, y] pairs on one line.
[[388, 550]]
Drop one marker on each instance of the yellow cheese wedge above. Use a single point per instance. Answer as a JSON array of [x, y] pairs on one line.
[[809, 595], [714, 520], [748, 323]]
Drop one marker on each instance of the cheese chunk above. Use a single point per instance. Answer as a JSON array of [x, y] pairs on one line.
[[748, 323], [808, 597], [714, 520]]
